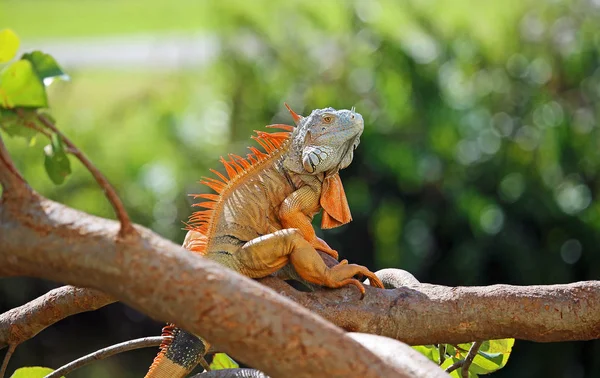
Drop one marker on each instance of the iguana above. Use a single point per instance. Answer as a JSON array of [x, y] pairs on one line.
[[259, 220]]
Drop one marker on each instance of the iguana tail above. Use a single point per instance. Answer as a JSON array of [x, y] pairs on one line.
[[179, 354]]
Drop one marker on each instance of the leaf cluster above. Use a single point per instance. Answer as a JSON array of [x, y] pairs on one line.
[[23, 94]]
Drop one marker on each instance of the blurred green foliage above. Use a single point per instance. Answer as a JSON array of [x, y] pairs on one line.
[[479, 157]]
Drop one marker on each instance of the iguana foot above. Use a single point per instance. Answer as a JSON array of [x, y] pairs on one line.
[[337, 277]]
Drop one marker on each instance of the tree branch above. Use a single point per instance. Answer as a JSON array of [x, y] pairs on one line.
[[31, 125], [394, 352], [469, 359], [41, 238], [7, 356], [24, 322], [442, 353], [398, 354], [126, 225], [105, 353], [411, 314], [454, 366]]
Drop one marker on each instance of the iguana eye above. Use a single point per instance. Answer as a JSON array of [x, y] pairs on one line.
[[327, 119]]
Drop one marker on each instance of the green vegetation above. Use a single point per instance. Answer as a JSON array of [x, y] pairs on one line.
[[479, 157]]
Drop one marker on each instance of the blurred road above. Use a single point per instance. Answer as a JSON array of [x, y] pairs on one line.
[[148, 51]]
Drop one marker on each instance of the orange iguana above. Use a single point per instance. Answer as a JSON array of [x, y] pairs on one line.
[[260, 218]]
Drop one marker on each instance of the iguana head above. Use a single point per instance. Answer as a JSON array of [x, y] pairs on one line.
[[324, 141]]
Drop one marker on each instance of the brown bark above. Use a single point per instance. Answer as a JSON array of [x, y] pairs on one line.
[[398, 354], [537, 313], [414, 313], [24, 322]]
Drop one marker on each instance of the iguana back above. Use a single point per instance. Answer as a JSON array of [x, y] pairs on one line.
[[247, 200]]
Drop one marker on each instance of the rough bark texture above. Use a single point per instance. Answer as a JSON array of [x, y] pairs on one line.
[[41, 238], [24, 322], [393, 351], [398, 354], [412, 313]]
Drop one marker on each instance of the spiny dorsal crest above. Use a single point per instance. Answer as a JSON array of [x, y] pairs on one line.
[[236, 167]]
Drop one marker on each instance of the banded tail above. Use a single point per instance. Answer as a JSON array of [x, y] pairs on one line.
[[179, 354]]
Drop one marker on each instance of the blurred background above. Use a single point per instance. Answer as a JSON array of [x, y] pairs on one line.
[[477, 164]]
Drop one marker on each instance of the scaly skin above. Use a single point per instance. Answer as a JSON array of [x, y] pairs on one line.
[[261, 218]]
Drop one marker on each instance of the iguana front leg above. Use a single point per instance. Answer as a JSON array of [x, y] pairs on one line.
[[297, 210], [266, 254]]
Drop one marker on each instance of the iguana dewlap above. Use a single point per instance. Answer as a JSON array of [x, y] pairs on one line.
[[259, 220]]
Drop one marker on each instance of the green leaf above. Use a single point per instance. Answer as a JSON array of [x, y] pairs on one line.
[[450, 350], [20, 86], [503, 346], [9, 44], [429, 351], [32, 372], [56, 161], [222, 361], [45, 66], [493, 355], [13, 125], [464, 348]]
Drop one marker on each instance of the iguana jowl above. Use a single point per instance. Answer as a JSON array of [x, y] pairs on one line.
[[260, 218]]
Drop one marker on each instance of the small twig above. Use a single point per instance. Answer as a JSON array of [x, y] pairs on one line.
[[442, 352], [105, 353], [33, 126], [109, 191], [454, 366], [469, 360], [202, 361], [7, 356], [466, 363]]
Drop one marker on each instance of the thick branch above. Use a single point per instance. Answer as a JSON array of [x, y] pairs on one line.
[[24, 322], [412, 314], [44, 239], [393, 351], [373, 314], [398, 354]]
